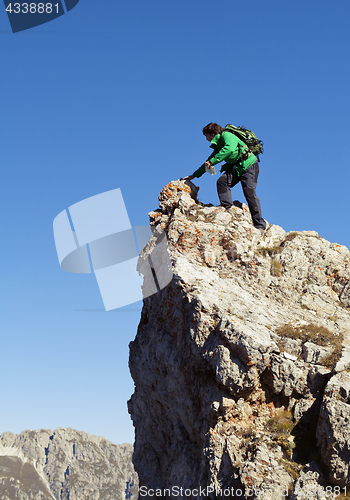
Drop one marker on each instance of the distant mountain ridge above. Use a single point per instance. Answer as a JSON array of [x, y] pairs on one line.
[[65, 464]]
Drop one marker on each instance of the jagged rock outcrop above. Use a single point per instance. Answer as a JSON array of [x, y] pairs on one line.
[[333, 432], [232, 358], [65, 464]]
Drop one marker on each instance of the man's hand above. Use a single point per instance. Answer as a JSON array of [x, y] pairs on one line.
[[208, 163], [188, 178]]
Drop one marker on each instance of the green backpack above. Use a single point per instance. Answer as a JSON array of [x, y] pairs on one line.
[[254, 145]]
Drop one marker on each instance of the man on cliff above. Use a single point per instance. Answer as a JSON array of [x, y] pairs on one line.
[[227, 147]]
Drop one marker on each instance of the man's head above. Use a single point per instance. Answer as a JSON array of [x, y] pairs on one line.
[[211, 130]]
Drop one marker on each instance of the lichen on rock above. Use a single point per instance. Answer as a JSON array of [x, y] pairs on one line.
[[211, 363]]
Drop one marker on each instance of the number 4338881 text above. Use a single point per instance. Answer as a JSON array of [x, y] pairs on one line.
[[32, 8]]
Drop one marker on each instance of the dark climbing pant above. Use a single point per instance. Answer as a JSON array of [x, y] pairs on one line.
[[248, 179]]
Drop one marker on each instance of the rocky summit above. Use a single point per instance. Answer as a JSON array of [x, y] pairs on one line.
[[241, 363], [64, 465]]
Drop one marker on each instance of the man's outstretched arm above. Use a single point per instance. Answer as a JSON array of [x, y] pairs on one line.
[[199, 172]]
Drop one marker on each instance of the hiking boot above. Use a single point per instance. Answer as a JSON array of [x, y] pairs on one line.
[[238, 204], [261, 230]]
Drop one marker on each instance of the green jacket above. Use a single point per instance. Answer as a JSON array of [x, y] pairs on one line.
[[227, 147]]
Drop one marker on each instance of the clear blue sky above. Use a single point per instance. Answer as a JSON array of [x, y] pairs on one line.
[[114, 95]]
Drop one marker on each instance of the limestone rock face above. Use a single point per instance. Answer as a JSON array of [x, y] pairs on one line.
[[333, 431], [64, 465], [310, 484], [231, 359]]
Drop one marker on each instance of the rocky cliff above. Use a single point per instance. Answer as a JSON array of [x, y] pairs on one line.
[[64, 465], [241, 364]]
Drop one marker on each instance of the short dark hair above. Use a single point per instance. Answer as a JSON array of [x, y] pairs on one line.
[[212, 128]]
